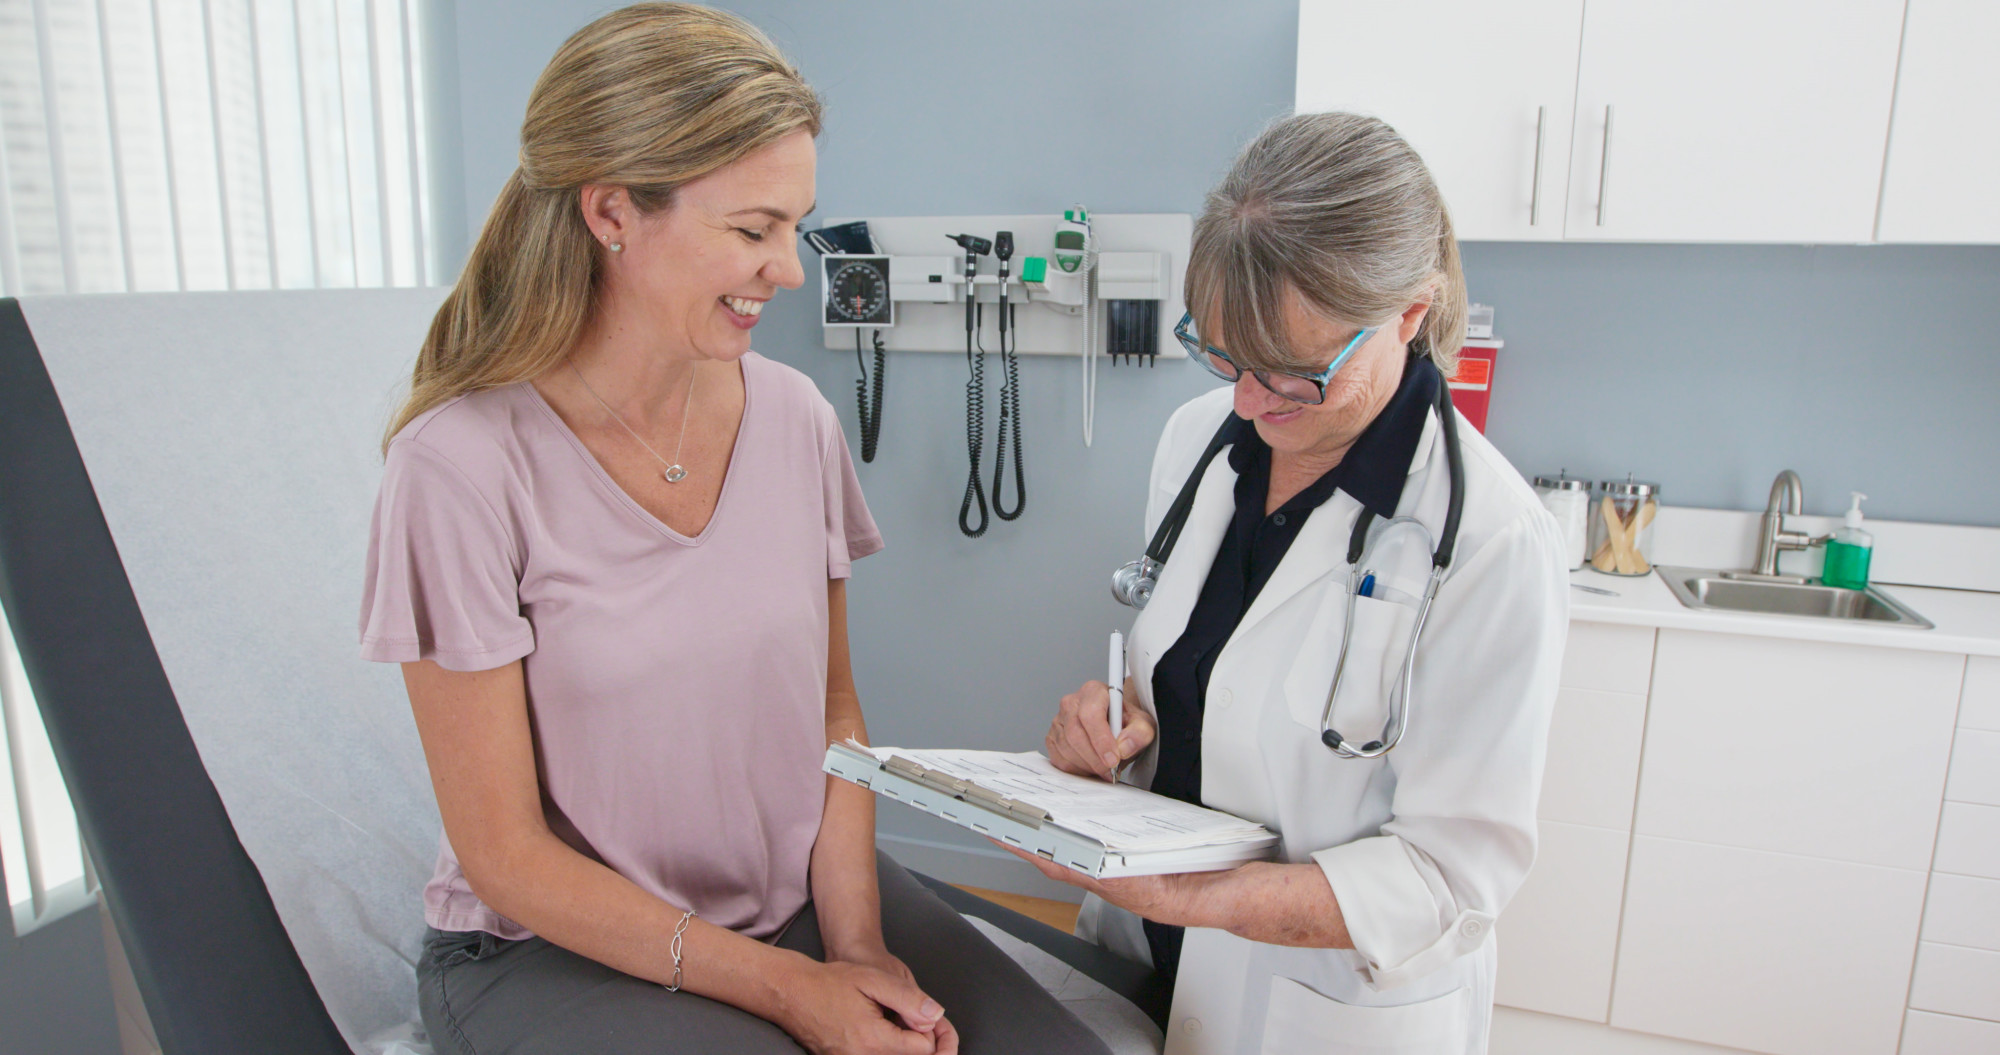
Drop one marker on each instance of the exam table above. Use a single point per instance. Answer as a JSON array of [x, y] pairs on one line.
[[185, 486]]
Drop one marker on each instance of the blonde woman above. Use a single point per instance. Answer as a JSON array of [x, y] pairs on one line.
[[610, 553], [1325, 288]]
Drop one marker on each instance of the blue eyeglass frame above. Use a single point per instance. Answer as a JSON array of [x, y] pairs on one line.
[[1200, 352]]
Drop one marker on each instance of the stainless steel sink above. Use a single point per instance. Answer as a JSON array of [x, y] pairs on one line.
[[1707, 588]]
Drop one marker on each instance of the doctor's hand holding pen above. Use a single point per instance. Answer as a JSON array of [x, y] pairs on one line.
[[1080, 740]]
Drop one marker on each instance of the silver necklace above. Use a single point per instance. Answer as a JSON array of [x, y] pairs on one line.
[[674, 472]]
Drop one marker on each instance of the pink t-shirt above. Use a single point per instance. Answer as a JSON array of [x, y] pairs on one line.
[[676, 686]]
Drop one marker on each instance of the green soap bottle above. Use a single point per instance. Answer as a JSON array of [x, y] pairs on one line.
[[1848, 552]]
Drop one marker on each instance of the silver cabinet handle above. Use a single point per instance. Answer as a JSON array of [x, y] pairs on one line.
[[1541, 130], [1604, 166]]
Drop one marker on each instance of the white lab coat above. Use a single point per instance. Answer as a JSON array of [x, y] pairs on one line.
[[1424, 846]]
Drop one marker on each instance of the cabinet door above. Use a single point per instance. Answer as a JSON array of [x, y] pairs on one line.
[[1592, 771], [1484, 86], [1558, 937], [1944, 141], [1725, 121], [1765, 951], [1826, 750]]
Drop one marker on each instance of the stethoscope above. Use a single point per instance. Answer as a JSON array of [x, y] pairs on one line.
[[1133, 583]]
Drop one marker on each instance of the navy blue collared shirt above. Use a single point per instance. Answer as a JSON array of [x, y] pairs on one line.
[[1372, 473]]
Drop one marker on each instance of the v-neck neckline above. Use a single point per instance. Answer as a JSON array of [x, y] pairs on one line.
[[624, 496]]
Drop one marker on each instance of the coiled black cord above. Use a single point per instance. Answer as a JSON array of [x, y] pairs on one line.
[[975, 429], [870, 410], [1010, 424]]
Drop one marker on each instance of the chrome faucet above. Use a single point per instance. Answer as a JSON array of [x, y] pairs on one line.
[[1787, 498]]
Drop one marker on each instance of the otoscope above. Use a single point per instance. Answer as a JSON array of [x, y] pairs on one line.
[[975, 389], [1010, 395]]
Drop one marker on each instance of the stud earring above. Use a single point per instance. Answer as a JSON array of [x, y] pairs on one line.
[[618, 247]]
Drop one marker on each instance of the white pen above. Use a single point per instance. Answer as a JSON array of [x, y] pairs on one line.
[[1117, 683]]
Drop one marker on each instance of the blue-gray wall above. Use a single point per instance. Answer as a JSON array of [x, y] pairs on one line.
[[1706, 368]]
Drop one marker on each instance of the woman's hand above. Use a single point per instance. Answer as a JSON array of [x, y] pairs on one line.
[[1079, 739], [842, 1008], [1178, 900]]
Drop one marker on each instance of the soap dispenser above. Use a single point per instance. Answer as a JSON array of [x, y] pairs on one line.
[[1848, 551]]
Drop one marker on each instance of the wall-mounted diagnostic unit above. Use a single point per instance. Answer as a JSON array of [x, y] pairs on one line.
[[1092, 285], [855, 291]]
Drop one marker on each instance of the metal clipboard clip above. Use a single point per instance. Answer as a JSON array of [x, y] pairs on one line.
[[971, 794]]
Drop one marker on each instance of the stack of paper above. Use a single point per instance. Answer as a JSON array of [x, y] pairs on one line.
[[1126, 830]]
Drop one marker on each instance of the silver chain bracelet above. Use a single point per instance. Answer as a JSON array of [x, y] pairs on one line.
[[675, 948]]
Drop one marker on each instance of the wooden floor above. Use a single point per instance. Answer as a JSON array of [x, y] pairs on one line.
[[1058, 914]]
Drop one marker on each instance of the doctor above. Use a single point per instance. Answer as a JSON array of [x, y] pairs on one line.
[[1326, 286]]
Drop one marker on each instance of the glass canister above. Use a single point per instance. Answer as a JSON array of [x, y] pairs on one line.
[[1569, 499], [1621, 526]]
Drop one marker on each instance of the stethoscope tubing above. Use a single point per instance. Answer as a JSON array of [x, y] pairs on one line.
[[1133, 583]]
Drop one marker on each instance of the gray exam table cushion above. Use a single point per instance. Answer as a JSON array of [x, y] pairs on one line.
[[254, 795]]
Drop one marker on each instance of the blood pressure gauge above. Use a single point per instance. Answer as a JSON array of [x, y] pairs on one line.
[[855, 291]]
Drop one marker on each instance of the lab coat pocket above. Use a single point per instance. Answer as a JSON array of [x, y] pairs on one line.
[[1301, 1021], [1375, 652]]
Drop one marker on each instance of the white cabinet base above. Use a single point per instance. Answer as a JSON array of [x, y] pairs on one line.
[[1559, 935], [1929, 1034], [1765, 951], [1517, 1032]]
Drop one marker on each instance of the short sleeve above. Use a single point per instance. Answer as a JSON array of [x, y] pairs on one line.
[[442, 578], [851, 533]]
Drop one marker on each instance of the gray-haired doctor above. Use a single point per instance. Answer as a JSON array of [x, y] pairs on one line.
[[1325, 284]]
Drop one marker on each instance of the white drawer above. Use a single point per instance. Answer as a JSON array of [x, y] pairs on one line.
[[1969, 840], [1954, 980], [1975, 768], [1609, 657], [1962, 910], [1927, 1034], [1979, 707], [1593, 767], [1559, 935]]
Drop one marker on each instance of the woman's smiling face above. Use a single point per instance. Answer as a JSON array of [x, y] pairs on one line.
[[698, 273]]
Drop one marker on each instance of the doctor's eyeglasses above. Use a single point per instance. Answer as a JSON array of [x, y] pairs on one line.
[[1297, 387]]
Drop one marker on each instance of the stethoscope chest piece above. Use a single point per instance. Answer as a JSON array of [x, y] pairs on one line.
[[1132, 584]]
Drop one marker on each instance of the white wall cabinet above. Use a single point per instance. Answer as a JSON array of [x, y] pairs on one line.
[[1786, 121], [1944, 142], [1486, 98], [1732, 121]]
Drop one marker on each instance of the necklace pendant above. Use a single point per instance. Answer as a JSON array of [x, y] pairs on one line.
[[675, 474]]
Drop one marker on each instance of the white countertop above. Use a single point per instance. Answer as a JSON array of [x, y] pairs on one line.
[[1968, 621]]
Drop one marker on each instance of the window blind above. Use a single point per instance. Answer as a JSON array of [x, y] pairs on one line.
[[211, 144]]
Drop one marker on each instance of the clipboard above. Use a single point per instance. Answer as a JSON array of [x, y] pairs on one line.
[[1025, 825]]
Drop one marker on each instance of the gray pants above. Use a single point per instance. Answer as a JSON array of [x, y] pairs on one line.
[[483, 995]]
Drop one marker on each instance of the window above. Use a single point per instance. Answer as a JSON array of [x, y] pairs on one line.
[[157, 145], [211, 144], [41, 850]]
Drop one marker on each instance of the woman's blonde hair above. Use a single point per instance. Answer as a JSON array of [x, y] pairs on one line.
[[1339, 208], [648, 98]]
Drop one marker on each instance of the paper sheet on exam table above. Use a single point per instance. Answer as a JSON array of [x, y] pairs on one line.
[[1124, 818]]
